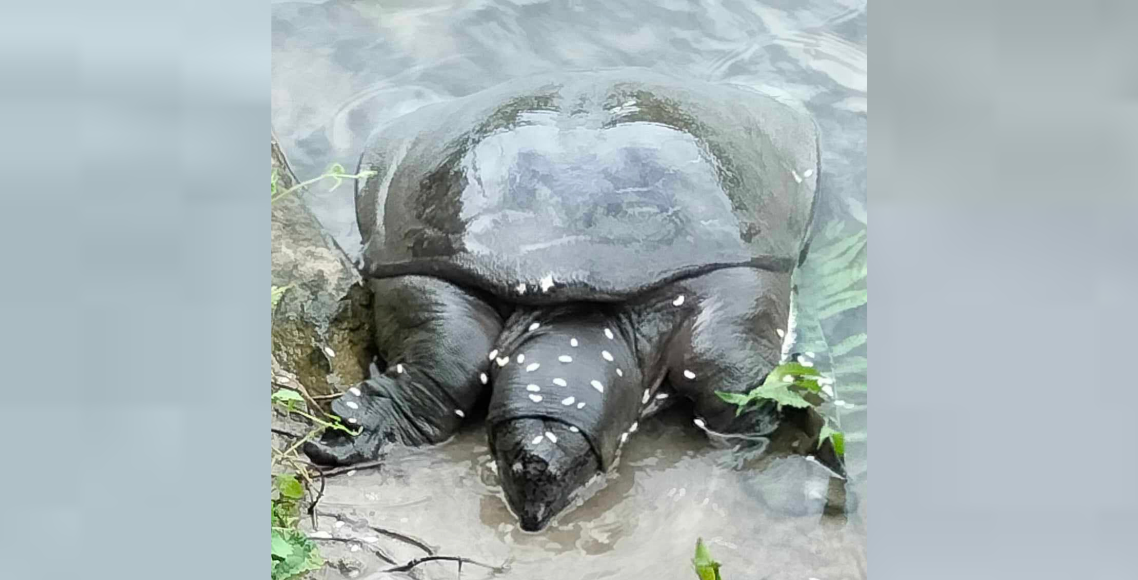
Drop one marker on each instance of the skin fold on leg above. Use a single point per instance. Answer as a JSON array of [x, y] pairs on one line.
[[435, 338]]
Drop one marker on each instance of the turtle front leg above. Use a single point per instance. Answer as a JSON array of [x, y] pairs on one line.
[[729, 326], [435, 338]]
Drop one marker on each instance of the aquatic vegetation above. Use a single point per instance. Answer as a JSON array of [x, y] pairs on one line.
[[829, 286]]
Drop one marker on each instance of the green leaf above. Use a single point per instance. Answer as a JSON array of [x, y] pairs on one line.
[[836, 437], [734, 398], [278, 292], [705, 567], [782, 394], [281, 548], [848, 344], [287, 397], [290, 487], [850, 365]]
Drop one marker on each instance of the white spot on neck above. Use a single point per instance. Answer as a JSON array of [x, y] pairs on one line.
[[573, 342], [565, 358], [608, 334], [459, 413], [560, 382], [679, 301], [352, 405], [536, 440], [598, 386], [521, 358], [533, 388], [552, 438], [532, 367], [534, 326], [535, 398], [568, 401], [547, 282], [483, 378], [493, 354], [607, 355], [689, 375], [355, 391]]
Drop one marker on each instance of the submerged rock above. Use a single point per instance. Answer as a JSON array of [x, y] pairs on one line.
[[321, 335]]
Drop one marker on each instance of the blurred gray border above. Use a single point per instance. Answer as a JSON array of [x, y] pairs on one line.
[[134, 227], [135, 242], [1002, 317]]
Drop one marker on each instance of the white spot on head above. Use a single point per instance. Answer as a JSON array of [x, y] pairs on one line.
[[646, 396], [634, 427], [502, 361], [536, 440], [521, 288], [689, 375], [598, 386], [607, 355], [568, 401], [351, 473], [535, 398], [399, 368], [679, 301], [352, 405], [565, 358], [581, 405], [808, 173], [797, 178], [355, 391], [699, 423], [573, 342], [574, 429], [547, 282], [534, 326], [560, 382], [482, 377], [493, 354], [352, 420], [661, 396], [532, 367], [781, 332], [552, 438], [608, 334], [521, 358], [623, 438], [533, 388], [459, 413], [619, 373]]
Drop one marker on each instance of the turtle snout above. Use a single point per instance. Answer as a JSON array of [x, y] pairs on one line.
[[542, 464]]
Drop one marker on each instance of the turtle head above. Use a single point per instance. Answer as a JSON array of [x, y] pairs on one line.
[[541, 465]]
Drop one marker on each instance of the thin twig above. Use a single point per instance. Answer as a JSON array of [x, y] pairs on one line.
[[459, 559], [312, 507], [347, 468], [285, 433], [405, 538]]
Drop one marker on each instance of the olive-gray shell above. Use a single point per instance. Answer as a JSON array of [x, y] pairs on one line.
[[595, 186]]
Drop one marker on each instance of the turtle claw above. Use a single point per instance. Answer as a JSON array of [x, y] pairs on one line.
[[336, 448]]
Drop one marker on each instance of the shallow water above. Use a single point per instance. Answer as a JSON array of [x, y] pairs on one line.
[[342, 68]]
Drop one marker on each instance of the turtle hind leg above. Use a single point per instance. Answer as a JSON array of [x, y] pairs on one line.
[[724, 337], [435, 338]]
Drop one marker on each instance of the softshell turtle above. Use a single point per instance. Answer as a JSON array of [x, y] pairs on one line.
[[568, 251]]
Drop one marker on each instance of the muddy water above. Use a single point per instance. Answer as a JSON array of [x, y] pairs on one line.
[[777, 516], [341, 68]]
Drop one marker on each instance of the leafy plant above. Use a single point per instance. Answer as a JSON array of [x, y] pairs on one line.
[[292, 552], [705, 567], [827, 288]]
